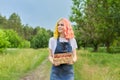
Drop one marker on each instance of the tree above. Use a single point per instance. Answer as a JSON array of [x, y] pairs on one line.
[[41, 39], [100, 21], [3, 41], [28, 32], [108, 10], [3, 22], [14, 22], [50, 32], [77, 17], [13, 38]]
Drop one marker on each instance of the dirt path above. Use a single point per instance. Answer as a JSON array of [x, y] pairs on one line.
[[41, 73]]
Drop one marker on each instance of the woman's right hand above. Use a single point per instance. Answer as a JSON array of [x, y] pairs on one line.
[[51, 59]]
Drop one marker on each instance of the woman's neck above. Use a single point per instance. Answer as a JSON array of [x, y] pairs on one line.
[[62, 36]]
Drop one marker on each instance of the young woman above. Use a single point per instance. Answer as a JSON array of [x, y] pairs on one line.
[[62, 42]]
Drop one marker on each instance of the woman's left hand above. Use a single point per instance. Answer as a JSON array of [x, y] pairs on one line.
[[74, 59]]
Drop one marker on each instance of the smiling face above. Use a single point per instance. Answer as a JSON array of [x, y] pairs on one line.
[[60, 26], [63, 29]]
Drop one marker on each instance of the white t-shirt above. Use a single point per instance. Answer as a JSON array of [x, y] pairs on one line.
[[53, 43]]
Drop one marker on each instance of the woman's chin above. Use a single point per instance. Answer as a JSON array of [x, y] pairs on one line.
[[60, 31]]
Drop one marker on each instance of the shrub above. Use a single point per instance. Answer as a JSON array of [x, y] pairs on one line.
[[3, 41]]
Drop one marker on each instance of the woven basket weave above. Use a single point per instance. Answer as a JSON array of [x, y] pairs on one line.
[[64, 58]]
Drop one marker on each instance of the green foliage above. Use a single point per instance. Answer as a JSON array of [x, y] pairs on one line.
[[13, 38], [50, 32], [114, 49], [28, 32], [41, 39], [3, 41], [77, 17], [14, 22], [19, 33], [78, 38], [24, 44], [97, 21], [3, 22]]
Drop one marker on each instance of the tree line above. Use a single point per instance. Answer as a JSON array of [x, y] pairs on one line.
[[14, 34], [97, 23]]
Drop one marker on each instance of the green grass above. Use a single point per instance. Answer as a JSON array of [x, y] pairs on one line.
[[97, 66], [90, 66], [17, 62]]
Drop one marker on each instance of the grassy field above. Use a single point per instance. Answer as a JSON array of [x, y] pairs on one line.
[[17, 62], [97, 66], [90, 66]]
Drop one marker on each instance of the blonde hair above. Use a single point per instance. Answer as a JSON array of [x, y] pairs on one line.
[[68, 31]]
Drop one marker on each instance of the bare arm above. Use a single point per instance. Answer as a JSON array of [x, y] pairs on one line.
[[74, 55], [50, 57]]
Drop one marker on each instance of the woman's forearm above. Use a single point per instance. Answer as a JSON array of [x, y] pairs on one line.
[[50, 57], [74, 56]]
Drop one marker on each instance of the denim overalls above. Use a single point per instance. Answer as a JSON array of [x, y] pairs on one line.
[[63, 71]]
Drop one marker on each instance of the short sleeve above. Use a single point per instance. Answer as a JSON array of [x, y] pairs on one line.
[[73, 43], [52, 44]]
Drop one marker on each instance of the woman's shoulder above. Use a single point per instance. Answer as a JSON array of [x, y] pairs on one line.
[[72, 39], [52, 39]]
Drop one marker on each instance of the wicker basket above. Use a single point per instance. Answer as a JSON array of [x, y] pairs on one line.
[[63, 58]]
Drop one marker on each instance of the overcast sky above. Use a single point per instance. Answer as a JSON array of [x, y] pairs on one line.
[[43, 13]]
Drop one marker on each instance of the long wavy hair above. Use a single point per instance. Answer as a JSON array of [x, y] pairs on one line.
[[68, 31]]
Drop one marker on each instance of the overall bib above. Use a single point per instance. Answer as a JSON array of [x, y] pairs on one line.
[[63, 71]]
